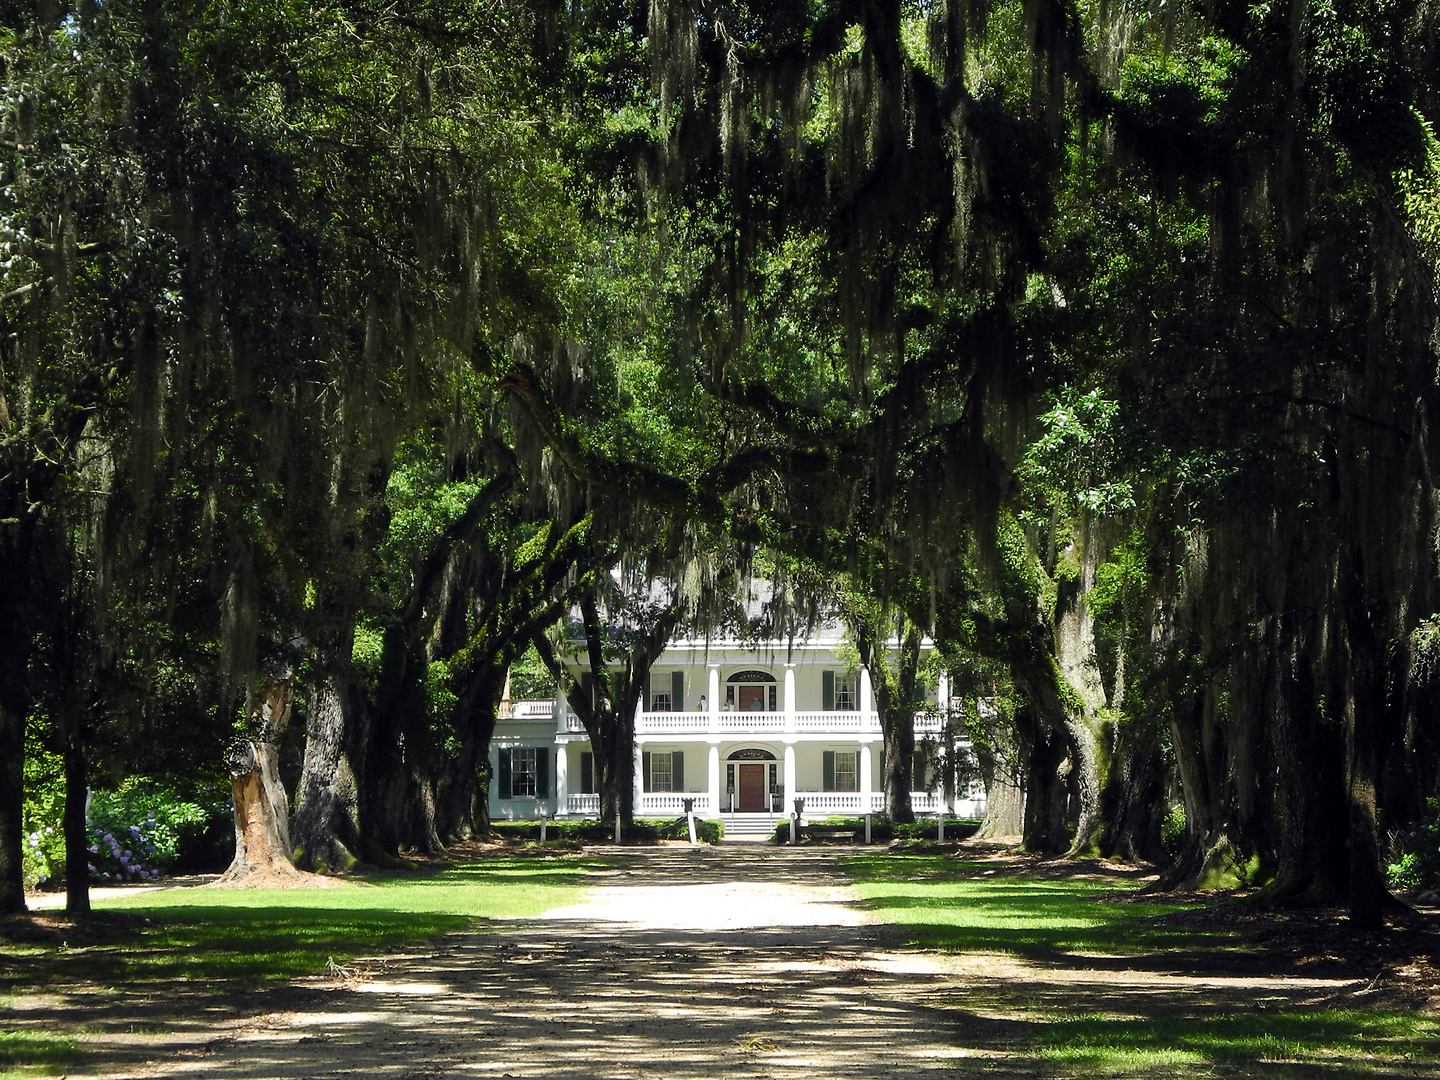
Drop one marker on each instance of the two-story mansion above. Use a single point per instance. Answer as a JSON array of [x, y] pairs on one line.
[[740, 730]]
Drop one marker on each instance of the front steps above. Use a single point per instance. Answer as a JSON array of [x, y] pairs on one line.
[[750, 828]]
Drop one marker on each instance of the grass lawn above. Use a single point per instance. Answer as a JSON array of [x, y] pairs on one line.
[[219, 941], [1082, 946]]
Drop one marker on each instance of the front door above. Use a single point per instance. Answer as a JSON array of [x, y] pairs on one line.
[[752, 789], [752, 699]]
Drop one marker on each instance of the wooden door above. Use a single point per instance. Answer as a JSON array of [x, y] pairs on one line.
[[752, 789], [752, 698]]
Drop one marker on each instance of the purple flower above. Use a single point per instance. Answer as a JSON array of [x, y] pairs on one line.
[[125, 854]]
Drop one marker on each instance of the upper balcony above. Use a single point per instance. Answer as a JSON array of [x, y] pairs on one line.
[[840, 721]]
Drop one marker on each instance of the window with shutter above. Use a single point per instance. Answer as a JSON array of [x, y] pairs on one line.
[[660, 775], [847, 772], [522, 771], [504, 771]]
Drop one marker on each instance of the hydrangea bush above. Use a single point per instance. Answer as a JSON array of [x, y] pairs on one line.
[[137, 832]]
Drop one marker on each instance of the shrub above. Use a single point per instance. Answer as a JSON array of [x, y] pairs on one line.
[[1415, 859], [881, 829], [137, 831], [603, 832]]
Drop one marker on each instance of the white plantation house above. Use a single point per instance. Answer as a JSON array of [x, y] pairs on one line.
[[741, 730]]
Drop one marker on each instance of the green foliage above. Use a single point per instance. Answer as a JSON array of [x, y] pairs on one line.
[[1415, 862], [44, 841]]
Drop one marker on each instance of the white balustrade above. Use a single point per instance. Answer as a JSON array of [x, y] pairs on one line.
[[877, 802], [583, 804], [924, 802], [830, 802], [672, 803], [837, 720], [650, 723], [928, 723], [528, 710]]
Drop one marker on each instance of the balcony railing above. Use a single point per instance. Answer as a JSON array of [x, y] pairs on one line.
[[672, 803], [582, 804], [741, 722], [527, 710]]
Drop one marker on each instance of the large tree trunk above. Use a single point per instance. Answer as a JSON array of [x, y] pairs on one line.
[[327, 817], [1133, 803], [12, 802], [262, 811], [397, 808], [77, 832], [462, 798], [1047, 788], [613, 743], [1004, 808]]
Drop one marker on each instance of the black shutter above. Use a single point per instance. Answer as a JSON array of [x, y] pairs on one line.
[[677, 691], [505, 773], [917, 775], [542, 772], [827, 691], [677, 771], [645, 693], [827, 782], [645, 770], [587, 774]]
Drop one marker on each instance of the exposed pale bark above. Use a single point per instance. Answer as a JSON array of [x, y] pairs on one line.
[[1000, 769], [262, 811]]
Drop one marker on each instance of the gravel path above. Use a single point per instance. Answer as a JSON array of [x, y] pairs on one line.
[[681, 963]]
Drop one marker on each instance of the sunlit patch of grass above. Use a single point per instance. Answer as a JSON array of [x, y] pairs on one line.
[[947, 904], [1365, 1041], [25, 1054], [212, 935]]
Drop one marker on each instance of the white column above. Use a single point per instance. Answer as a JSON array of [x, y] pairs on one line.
[[713, 780], [867, 697], [712, 696], [789, 697], [562, 779], [789, 806], [866, 782], [639, 779]]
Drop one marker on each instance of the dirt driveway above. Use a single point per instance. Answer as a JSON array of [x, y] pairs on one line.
[[681, 963]]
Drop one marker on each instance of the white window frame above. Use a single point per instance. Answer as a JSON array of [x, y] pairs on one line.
[[847, 693], [522, 772], [660, 702], [851, 760], [667, 771]]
